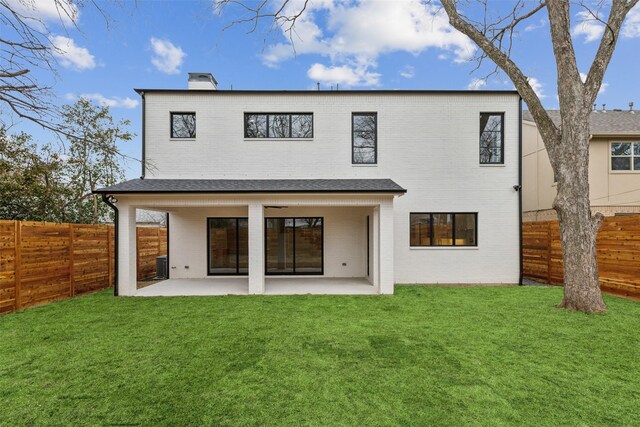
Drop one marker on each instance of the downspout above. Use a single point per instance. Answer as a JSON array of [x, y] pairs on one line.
[[143, 161], [520, 188], [168, 246], [110, 200]]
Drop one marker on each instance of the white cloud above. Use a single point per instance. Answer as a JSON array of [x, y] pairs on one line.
[[71, 55], [359, 32], [167, 57], [408, 72], [532, 27], [476, 84], [537, 87], [589, 27], [344, 75], [631, 28], [113, 102], [63, 11]]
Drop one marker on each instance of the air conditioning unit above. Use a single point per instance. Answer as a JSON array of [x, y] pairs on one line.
[[161, 267]]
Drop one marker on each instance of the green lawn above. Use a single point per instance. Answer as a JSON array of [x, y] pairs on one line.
[[428, 355]]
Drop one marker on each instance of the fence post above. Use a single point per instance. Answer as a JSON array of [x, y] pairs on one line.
[[18, 261], [137, 253], [549, 251], [72, 290]]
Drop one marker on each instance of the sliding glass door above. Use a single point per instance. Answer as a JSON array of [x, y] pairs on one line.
[[294, 245], [228, 246]]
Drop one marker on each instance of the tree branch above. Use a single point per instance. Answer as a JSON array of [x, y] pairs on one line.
[[619, 10], [548, 129]]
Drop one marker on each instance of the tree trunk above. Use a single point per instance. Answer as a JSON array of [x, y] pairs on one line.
[[578, 228]]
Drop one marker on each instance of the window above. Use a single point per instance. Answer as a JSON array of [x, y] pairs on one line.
[[228, 246], [183, 125], [491, 138], [294, 246], [278, 125], [625, 156], [364, 138], [443, 229]]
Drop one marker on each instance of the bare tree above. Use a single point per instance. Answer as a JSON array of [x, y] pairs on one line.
[[25, 46], [567, 143]]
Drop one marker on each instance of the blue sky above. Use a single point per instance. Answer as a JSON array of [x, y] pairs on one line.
[[369, 44]]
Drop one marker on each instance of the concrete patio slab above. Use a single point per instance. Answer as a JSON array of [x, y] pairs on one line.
[[197, 287], [273, 286], [318, 286]]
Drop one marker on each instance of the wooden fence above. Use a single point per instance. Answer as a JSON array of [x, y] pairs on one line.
[[41, 261], [618, 247], [151, 242]]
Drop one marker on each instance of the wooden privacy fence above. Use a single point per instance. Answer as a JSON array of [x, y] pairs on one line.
[[618, 245], [151, 242], [42, 261]]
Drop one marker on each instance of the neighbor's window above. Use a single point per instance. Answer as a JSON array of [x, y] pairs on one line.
[[625, 156], [443, 229], [491, 138], [183, 125], [278, 125], [364, 138]]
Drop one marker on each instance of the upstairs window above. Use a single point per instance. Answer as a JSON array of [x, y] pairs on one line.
[[443, 229], [491, 138], [625, 156], [278, 125], [183, 125], [364, 140]]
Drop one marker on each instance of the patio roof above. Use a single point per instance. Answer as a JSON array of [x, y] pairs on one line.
[[229, 186]]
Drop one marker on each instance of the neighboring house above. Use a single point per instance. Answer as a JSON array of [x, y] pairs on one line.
[[614, 165], [146, 218], [389, 187]]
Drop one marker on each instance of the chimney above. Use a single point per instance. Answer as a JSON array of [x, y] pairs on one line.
[[631, 106], [202, 81], [604, 107]]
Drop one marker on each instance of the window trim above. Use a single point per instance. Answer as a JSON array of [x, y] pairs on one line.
[[501, 162], [453, 230], [375, 151], [277, 113], [293, 273], [171, 114], [631, 158], [237, 273]]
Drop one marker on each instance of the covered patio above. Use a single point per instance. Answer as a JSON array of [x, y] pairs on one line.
[[273, 286], [239, 237]]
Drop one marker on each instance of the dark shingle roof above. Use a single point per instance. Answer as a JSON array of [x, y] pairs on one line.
[[604, 122], [254, 186]]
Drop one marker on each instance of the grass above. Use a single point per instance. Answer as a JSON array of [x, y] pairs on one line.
[[428, 355]]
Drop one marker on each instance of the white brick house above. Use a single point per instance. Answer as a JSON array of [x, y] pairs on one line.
[[366, 188]]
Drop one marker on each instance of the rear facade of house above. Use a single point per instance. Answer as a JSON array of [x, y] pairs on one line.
[[407, 187]]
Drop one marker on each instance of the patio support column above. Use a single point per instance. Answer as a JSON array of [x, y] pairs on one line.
[[127, 274], [256, 248], [386, 248], [375, 240]]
